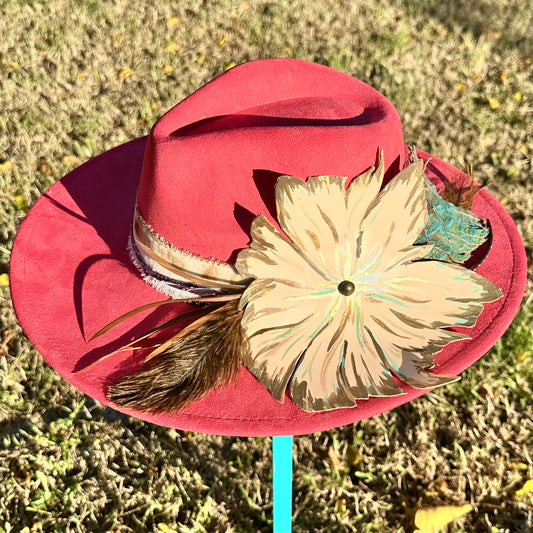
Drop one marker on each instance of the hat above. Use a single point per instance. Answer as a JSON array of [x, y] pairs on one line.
[[321, 279]]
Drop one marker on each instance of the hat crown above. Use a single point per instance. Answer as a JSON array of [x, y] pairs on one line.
[[212, 161]]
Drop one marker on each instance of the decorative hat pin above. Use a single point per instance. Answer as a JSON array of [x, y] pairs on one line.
[[318, 271]]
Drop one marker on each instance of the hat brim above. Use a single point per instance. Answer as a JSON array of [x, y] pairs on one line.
[[71, 274]]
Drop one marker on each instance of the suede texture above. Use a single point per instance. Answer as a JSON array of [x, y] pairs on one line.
[[71, 273], [269, 117]]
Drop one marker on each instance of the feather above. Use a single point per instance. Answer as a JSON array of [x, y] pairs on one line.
[[133, 312], [205, 357], [130, 345], [459, 194]]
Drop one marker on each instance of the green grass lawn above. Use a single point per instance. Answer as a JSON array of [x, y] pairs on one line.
[[79, 77]]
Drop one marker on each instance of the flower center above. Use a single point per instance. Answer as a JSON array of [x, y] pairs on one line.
[[346, 287]]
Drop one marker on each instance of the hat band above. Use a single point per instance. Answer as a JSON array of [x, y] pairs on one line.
[[175, 272]]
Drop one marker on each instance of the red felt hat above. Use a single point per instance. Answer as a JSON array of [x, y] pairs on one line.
[[208, 167]]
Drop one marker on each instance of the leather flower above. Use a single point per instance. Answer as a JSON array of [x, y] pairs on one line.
[[343, 300]]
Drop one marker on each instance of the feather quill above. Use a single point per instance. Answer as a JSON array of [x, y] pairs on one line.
[[206, 357]]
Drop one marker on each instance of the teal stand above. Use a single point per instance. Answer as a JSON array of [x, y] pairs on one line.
[[282, 459]]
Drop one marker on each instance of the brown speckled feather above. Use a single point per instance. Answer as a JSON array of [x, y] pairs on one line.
[[207, 357]]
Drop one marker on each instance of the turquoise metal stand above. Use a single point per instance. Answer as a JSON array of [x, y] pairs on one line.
[[282, 459]]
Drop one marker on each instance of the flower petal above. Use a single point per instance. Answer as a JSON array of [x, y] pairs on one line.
[[313, 214], [395, 219], [361, 194], [316, 385], [322, 217], [434, 294], [404, 316], [279, 322], [340, 366], [271, 256], [411, 366]]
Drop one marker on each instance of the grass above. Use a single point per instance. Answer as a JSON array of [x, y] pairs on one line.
[[459, 74]]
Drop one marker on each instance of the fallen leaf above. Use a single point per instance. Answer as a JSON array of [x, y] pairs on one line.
[[442, 485], [525, 354], [81, 76], [503, 77], [231, 64], [494, 103], [166, 528], [245, 5], [222, 41], [171, 47], [9, 334], [71, 160], [341, 505], [20, 202], [460, 88], [353, 455], [124, 73], [117, 37], [46, 169], [493, 34], [11, 64], [524, 148], [6, 167], [435, 519], [4, 280], [441, 29], [168, 69], [334, 458], [172, 21], [526, 489], [22, 476], [525, 64], [517, 96]]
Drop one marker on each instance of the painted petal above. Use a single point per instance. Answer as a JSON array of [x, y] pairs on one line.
[[396, 218], [316, 385], [341, 366], [322, 217], [273, 257], [415, 300], [361, 194], [434, 294], [408, 352], [394, 332], [411, 367], [270, 304], [313, 214], [280, 321]]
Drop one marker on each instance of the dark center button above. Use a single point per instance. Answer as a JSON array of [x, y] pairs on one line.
[[346, 288]]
